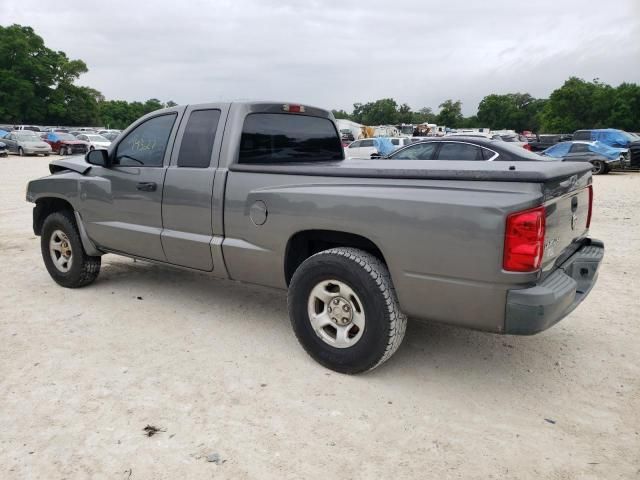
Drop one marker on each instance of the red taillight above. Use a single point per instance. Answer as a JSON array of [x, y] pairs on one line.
[[526, 146], [287, 107], [590, 187], [524, 240]]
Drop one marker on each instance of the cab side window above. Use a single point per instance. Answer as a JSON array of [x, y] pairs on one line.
[[145, 145], [198, 138]]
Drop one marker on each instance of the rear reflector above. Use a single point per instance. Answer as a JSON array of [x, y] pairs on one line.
[[293, 108], [524, 240], [590, 187]]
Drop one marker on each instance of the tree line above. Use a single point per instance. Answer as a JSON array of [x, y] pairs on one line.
[[576, 104], [37, 85]]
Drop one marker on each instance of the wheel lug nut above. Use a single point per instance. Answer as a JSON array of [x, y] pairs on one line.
[[329, 309], [345, 320], [345, 308], [336, 301]]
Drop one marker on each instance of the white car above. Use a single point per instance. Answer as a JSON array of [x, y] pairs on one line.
[[402, 141], [94, 140], [361, 148]]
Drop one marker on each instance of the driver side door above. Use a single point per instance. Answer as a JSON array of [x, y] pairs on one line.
[[122, 203]]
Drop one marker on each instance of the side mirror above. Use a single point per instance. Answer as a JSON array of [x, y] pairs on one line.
[[98, 157]]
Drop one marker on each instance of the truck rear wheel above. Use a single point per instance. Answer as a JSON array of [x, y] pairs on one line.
[[344, 310], [63, 254]]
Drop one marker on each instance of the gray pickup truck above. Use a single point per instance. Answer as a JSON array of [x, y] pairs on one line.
[[261, 193]]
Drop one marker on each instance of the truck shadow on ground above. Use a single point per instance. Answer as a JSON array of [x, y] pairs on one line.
[[427, 348]]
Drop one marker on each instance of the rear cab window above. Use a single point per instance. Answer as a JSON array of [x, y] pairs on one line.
[[284, 137], [198, 138]]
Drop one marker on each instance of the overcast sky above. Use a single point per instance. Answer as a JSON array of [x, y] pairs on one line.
[[333, 53]]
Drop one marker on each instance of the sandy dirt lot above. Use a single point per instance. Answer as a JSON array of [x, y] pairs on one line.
[[216, 367]]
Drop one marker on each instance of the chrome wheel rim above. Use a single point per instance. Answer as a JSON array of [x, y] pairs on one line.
[[336, 313], [597, 168], [60, 251]]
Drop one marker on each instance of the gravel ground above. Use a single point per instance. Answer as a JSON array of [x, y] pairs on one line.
[[215, 366]]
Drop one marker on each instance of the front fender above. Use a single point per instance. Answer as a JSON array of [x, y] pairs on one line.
[[64, 186]]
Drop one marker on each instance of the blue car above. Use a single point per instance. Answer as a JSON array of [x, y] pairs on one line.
[[608, 136], [602, 157]]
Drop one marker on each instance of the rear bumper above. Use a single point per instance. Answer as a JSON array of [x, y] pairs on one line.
[[532, 310]]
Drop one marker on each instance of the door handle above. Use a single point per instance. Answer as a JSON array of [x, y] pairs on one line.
[[147, 186]]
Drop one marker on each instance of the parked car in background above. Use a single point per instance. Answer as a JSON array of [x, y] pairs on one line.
[[26, 142], [361, 148], [75, 133], [514, 138], [401, 141], [65, 143], [104, 133], [111, 136], [609, 136], [464, 148], [542, 142], [94, 140], [601, 156], [32, 128], [634, 154], [473, 133], [378, 146], [4, 152]]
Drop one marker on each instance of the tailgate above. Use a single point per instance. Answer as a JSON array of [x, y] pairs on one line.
[[567, 209]]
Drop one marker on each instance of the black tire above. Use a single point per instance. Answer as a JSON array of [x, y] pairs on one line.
[[63, 151], [20, 151], [84, 268], [598, 167], [369, 278], [46, 154]]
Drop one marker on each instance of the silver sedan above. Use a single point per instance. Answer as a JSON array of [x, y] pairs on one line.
[[26, 142]]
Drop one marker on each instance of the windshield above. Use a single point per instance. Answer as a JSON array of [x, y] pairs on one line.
[[65, 136]]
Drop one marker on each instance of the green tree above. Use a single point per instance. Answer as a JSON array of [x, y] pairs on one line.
[[625, 110], [424, 115], [30, 74], [578, 104], [450, 114], [341, 114], [380, 112], [405, 115], [171, 103], [518, 111]]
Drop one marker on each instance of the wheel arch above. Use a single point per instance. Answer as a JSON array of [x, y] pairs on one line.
[[306, 243], [45, 206]]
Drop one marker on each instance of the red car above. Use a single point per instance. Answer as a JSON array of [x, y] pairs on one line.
[[65, 143]]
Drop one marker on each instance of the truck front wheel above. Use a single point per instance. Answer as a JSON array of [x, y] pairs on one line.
[[344, 310], [63, 254]]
